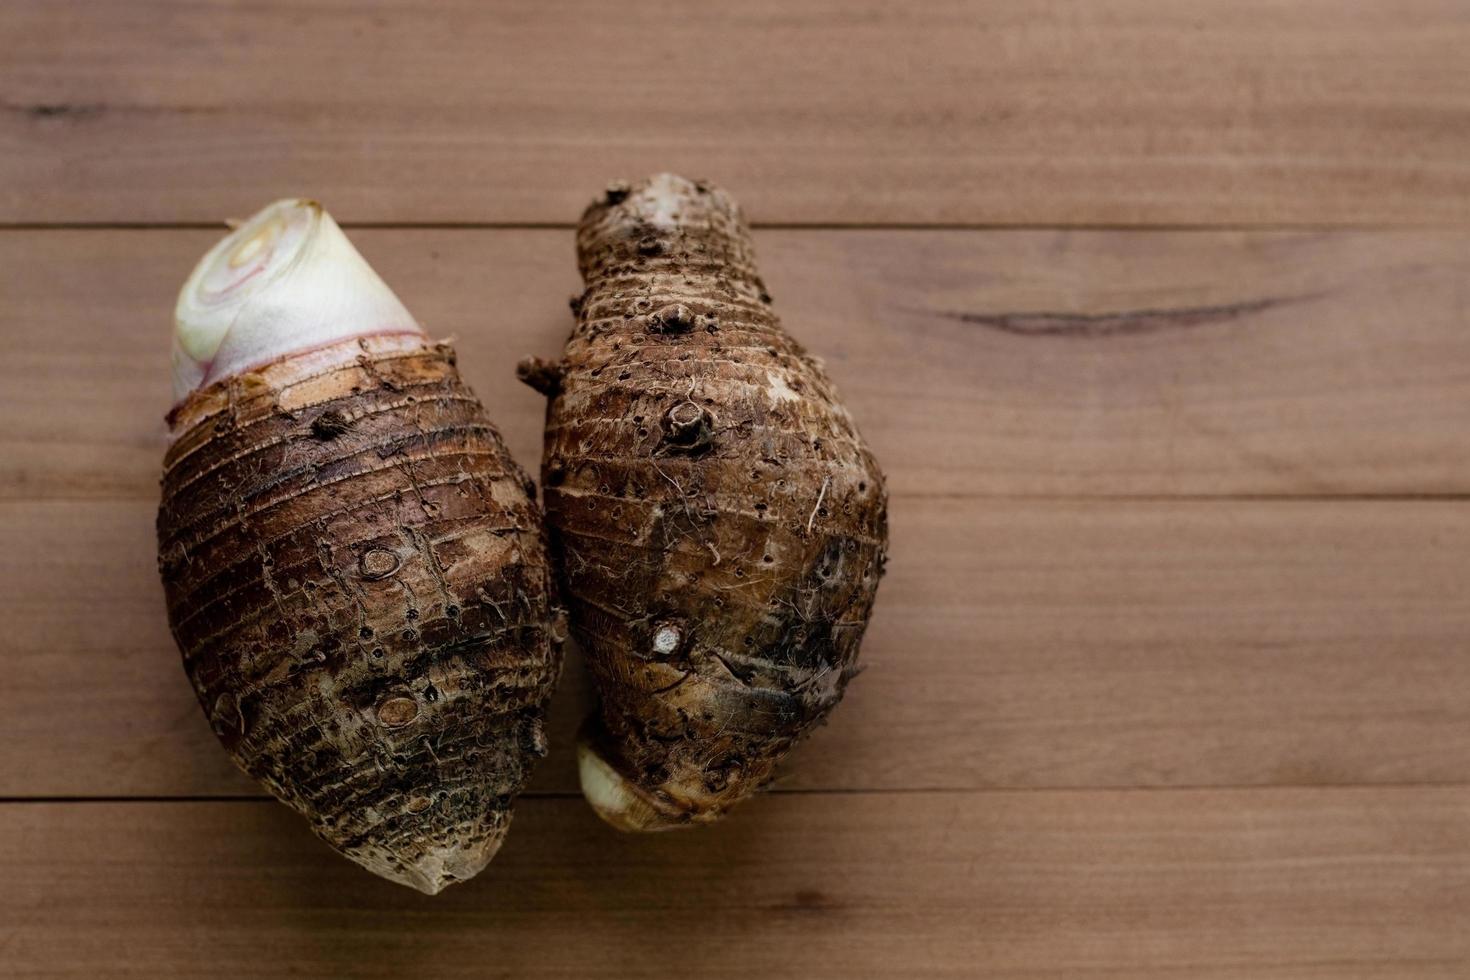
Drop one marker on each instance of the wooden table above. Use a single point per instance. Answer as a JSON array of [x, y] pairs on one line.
[[1157, 313]]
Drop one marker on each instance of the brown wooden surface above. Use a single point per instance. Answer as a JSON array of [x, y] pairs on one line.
[[1210, 885], [1170, 676], [978, 363], [1016, 644], [971, 111]]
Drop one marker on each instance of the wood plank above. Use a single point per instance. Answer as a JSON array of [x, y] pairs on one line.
[[1015, 644], [1243, 885], [988, 111], [1083, 363]]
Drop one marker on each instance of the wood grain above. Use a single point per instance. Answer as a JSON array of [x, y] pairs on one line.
[[1169, 675], [1282, 885], [995, 363], [1015, 644], [973, 111]]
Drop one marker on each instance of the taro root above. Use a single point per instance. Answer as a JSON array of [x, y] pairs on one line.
[[353, 566], [718, 524]]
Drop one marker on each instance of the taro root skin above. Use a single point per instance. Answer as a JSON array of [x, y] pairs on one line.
[[718, 523], [353, 567]]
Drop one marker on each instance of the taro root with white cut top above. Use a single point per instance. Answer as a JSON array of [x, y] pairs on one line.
[[353, 564], [718, 523]]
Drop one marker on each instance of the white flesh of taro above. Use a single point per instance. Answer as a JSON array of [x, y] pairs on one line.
[[285, 281]]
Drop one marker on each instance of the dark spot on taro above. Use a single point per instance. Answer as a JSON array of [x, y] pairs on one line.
[[377, 653], [366, 632], [749, 641], [451, 611], [431, 694], [616, 193], [649, 246], [624, 376], [768, 558], [862, 487], [412, 614], [410, 634]]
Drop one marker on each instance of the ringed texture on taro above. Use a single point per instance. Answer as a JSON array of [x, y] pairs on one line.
[[353, 564], [718, 523]]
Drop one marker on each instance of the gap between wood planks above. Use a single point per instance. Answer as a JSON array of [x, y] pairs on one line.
[[571, 226], [831, 791], [1308, 497]]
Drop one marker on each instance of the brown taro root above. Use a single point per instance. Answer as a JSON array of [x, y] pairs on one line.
[[353, 567], [719, 524]]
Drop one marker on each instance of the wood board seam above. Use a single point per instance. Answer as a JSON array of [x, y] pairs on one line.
[[1264, 227], [833, 791], [1062, 499]]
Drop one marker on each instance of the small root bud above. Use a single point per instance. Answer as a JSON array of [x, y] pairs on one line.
[[666, 639], [688, 426], [674, 318], [541, 374], [397, 711]]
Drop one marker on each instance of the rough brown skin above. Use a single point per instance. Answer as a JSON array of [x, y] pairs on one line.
[[719, 525], [356, 578]]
